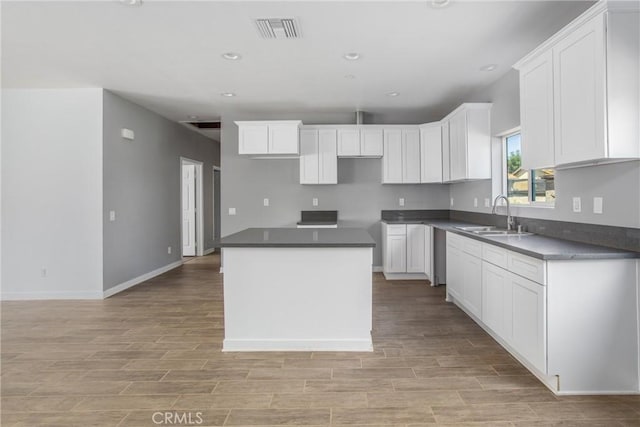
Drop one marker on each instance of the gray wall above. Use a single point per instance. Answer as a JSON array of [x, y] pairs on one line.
[[141, 182], [359, 196], [617, 183]]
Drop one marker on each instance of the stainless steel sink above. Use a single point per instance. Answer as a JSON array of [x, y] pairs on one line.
[[490, 233], [477, 228]]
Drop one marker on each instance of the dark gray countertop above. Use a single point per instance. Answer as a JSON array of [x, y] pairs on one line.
[[541, 247], [298, 238]]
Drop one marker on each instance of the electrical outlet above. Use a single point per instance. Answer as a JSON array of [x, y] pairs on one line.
[[401, 201], [112, 216], [577, 204], [487, 203], [232, 211], [597, 205], [169, 249], [475, 202], [265, 202], [451, 202], [315, 201]]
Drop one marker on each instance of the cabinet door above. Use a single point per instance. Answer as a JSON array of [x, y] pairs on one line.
[[431, 154], [454, 272], [348, 142], [415, 248], [371, 142], [528, 321], [458, 146], [308, 156], [472, 282], [253, 139], [496, 300], [392, 159], [283, 139], [579, 94], [411, 156], [446, 152], [396, 254], [328, 156], [428, 253], [536, 112]]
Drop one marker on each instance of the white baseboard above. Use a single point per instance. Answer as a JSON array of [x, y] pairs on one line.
[[209, 251], [377, 269], [137, 280], [406, 276], [297, 345], [45, 295]]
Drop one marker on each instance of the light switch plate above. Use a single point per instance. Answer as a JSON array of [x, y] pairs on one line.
[[265, 202], [232, 211], [577, 204], [487, 203], [597, 205], [451, 202], [315, 201], [169, 249], [475, 202], [112, 216], [401, 201]]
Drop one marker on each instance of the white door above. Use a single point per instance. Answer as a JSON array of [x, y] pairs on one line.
[[283, 139], [579, 94], [411, 156], [446, 152], [496, 300], [536, 112], [327, 156], [188, 210], [371, 142], [472, 282], [308, 156], [431, 154], [396, 254], [415, 248], [454, 272], [392, 159], [348, 142], [428, 253], [253, 139], [529, 330], [458, 146]]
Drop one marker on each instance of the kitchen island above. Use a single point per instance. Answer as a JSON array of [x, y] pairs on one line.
[[288, 289]]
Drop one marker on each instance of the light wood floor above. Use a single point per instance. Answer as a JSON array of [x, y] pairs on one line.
[[156, 348]]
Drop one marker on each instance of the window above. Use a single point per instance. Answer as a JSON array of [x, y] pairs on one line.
[[526, 186]]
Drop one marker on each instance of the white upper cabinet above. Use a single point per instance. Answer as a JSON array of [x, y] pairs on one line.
[[536, 112], [580, 92], [401, 160], [469, 140], [360, 141], [431, 153], [269, 138], [318, 156], [446, 164]]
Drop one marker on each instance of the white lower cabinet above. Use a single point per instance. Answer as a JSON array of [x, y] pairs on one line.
[[573, 323], [406, 251]]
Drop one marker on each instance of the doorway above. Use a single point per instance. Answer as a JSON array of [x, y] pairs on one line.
[[191, 223], [216, 203]]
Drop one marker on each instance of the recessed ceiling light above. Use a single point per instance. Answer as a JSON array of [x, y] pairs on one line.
[[440, 3], [231, 56], [228, 94], [130, 2], [193, 117], [488, 67], [351, 56], [393, 94], [350, 76]]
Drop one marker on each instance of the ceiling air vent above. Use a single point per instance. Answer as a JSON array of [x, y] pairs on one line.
[[203, 124], [278, 28]]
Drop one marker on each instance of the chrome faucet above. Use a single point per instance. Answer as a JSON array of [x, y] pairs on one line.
[[509, 217]]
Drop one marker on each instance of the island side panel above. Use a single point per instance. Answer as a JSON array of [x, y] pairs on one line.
[[298, 299]]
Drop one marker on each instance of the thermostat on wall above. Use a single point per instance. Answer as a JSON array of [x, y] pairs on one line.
[[127, 134]]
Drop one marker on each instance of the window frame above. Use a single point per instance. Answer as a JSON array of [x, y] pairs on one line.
[[503, 173]]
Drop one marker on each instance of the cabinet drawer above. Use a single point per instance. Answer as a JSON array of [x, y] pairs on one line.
[[495, 255], [454, 240], [525, 266], [396, 229], [472, 247]]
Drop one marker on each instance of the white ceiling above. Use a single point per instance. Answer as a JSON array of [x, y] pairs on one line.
[[167, 55]]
